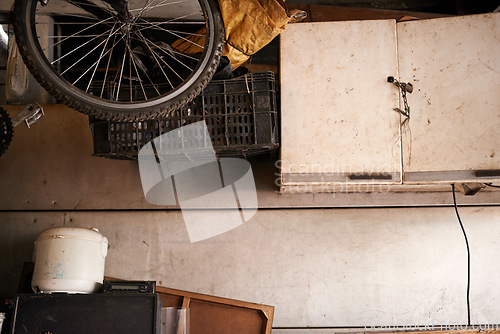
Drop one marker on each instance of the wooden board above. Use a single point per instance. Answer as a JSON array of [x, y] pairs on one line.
[[479, 329], [211, 314], [323, 13]]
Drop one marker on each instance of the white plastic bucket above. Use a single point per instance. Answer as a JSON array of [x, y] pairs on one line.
[[69, 259]]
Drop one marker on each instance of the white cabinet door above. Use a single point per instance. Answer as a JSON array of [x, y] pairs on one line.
[[454, 128], [337, 119], [338, 122]]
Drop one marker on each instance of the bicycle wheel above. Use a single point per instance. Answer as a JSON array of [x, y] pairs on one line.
[[120, 60]]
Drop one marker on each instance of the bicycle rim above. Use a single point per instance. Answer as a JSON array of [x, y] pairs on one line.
[[120, 60]]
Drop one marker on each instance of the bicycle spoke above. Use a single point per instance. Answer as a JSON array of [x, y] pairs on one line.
[[121, 74], [185, 55], [161, 4], [156, 56], [142, 9], [115, 59], [91, 8], [169, 31], [147, 76], [137, 72], [177, 60], [182, 17], [77, 34], [97, 63], [176, 23], [108, 7], [177, 52], [107, 67], [69, 15], [62, 73], [74, 82], [130, 77], [166, 51], [185, 39], [67, 36], [88, 3], [77, 48]]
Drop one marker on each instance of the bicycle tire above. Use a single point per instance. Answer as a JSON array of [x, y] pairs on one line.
[[140, 45]]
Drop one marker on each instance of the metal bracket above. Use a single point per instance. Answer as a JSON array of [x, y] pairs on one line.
[[405, 88], [408, 87], [30, 114], [402, 112]]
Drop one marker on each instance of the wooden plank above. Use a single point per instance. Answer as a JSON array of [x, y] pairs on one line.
[[186, 301], [211, 314], [323, 13], [444, 187], [477, 329], [218, 300]]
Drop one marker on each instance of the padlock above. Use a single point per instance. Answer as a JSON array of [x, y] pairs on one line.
[[409, 87]]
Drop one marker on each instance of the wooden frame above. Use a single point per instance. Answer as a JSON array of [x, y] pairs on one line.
[[210, 314], [368, 330], [218, 315]]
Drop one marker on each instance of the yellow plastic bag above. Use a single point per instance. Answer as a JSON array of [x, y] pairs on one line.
[[251, 24]]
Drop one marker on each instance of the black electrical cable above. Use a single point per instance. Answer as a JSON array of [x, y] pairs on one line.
[[492, 185], [468, 253]]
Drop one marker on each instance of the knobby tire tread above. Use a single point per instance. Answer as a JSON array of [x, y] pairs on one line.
[[157, 111]]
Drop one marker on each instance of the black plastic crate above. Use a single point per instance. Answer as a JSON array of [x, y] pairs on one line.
[[240, 114]]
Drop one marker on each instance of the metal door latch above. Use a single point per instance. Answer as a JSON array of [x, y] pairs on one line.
[[405, 88], [30, 114]]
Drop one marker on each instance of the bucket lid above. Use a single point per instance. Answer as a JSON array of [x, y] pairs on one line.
[[91, 234]]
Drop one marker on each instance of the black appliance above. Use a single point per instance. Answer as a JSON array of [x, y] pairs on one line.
[[109, 313]]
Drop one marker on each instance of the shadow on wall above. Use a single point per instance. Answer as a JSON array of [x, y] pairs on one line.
[[17, 254]]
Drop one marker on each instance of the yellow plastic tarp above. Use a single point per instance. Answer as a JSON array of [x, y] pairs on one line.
[[249, 26]]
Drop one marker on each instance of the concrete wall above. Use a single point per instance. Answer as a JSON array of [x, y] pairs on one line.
[[321, 267]]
